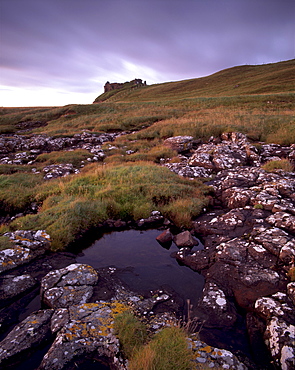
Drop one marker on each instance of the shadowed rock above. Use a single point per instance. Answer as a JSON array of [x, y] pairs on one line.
[[25, 337]]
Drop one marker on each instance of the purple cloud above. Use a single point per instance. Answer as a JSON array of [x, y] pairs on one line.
[[75, 45]]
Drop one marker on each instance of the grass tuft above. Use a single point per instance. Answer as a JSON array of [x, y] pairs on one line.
[[131, 332], [282, 164], [168, 350]]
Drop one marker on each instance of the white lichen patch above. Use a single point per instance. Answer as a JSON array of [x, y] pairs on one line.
[[259, 248], [287, 354], [277, 329], [269, 307], [214, 297]]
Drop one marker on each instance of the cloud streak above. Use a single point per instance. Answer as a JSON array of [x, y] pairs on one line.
[[72, 46]]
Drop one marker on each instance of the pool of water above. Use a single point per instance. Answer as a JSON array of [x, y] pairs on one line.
[[143, 264]]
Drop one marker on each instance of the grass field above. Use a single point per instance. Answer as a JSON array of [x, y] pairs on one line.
[[255, 100]]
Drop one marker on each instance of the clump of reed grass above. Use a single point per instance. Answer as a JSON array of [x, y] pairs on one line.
[[18, 190], [282, 164], [167, 350], [131, 332]]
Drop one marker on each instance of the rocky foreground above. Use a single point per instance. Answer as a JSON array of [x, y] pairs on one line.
[[247, 261], [249, 253]]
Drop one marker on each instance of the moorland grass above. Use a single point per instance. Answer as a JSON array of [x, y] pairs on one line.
[[70, 206], [18, 190], [255, 100], [75, 157], [4, 242], [166, 350], [281, 164]]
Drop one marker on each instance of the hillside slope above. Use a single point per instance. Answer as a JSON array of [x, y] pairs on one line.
[[241, 80]]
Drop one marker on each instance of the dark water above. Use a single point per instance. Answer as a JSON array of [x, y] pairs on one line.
[[143, 263]]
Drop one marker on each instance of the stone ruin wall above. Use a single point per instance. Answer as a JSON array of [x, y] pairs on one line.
[[115, 85]]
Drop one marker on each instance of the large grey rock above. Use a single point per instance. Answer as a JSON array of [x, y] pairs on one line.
[[86, 331], [25, 337], [68, 286], [179, 143], [26, 245], [12, 285]]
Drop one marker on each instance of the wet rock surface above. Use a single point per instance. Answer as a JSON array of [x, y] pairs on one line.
[[247, 252], [11, 286], [248, 238], [25, 337], [75, 330]]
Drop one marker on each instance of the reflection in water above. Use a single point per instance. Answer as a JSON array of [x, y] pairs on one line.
[[144, 264]]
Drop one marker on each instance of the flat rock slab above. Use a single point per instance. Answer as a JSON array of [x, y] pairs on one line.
[[25, 337], [25, 246], [12, 286], [68, 286], [86, 331]]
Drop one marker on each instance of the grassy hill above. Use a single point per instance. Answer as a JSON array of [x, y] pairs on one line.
[[241, 80], [255, 100]]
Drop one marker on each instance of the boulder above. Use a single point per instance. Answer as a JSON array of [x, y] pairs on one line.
[[202, 157], [278, 313], [165, 237], [86, 333], [291, 291], [179, 143], [68, 286], [59, 170], [185, 239], [280, 337], [211, 357], [267, 307], [283, 220], [185, 170], [26, 245], [12, 286], [25, 338], [198, 260], [155, 219]]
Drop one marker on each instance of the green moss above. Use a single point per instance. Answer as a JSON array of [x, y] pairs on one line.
[[258, 206]]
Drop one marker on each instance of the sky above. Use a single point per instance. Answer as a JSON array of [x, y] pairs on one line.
[[58, 52]]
